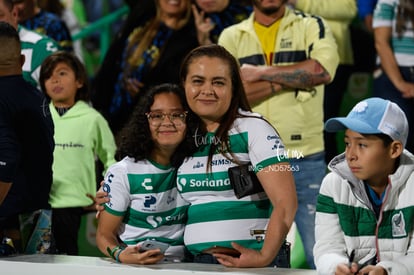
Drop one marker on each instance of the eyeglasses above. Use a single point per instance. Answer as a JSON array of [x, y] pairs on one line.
[[156, 118]]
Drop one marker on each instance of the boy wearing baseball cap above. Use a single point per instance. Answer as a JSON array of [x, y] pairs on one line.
[[365, 210]]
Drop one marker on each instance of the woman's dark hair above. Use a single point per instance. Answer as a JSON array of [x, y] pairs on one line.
[[238, 100], [135, 140], [50, 63]]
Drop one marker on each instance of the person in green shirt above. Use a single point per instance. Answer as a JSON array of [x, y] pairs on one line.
[[81, 135]]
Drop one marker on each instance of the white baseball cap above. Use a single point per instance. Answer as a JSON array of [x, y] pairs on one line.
[[373, 116]]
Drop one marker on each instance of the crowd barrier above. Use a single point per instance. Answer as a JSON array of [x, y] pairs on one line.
[[42, 264]]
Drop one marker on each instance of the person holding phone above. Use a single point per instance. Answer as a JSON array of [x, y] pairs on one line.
[[220, 228], [230, 134], [145, 207]]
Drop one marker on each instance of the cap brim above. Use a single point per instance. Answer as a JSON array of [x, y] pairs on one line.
[[343, 123]]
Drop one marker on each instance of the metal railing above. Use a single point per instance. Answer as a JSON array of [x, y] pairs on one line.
[[102, 25]]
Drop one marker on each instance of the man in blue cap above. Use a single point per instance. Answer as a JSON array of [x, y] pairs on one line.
[[365, 205]]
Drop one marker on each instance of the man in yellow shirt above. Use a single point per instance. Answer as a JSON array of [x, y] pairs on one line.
[[338, 15]]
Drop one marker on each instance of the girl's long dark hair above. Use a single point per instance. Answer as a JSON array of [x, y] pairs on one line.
[[135, 140]]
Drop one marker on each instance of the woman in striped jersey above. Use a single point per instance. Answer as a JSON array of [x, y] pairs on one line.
[[227, 135]]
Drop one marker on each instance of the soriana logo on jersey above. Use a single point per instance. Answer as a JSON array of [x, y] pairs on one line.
[[218, 181]]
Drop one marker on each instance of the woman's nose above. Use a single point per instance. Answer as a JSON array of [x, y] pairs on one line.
[[207, 89]]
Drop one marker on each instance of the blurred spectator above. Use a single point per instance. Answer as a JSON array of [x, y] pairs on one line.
[[365, 12], [35, 47], [394, 40], [68, 16], [148, 51], [31, 16], [212, 16]]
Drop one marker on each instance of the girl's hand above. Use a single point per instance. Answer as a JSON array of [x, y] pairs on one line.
[[132, 255]]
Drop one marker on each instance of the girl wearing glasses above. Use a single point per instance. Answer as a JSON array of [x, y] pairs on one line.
[[220, 228], [144, 202]]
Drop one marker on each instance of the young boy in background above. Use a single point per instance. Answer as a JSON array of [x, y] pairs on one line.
[[82, 135]]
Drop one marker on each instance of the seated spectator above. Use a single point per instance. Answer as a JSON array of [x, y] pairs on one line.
[[364, 214], [31, 16]]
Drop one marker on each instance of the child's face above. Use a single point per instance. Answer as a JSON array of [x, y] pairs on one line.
[[368, 158], [62, 86], [167, 134]]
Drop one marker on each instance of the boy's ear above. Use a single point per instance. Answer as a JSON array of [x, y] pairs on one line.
[[396, 149], [79, 84]]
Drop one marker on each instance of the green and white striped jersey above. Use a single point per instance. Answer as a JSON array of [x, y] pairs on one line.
[[145, 194], [35, 48], [216, 216]]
